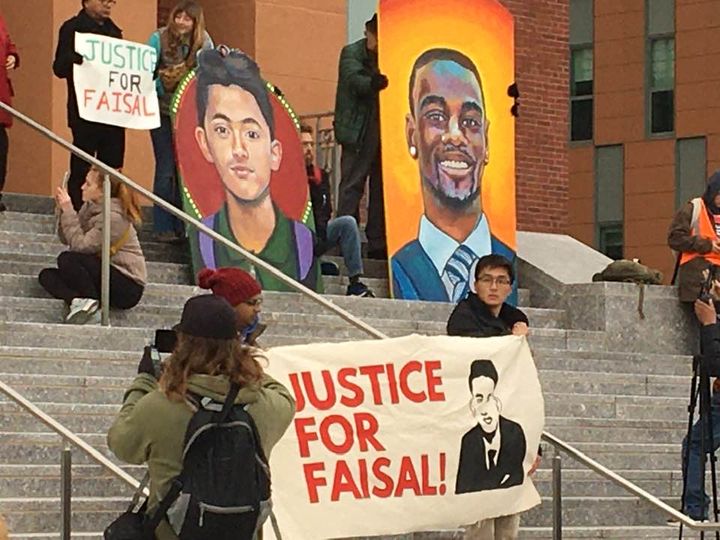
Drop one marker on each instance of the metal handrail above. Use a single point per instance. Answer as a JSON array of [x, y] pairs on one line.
[[627, 485], [109, 171], [67, 435], [73, 439]]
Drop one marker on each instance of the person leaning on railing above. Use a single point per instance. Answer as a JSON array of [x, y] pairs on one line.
[[77, 278]]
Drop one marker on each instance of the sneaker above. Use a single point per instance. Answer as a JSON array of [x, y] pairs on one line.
[[81, 310], [328, 268], [359, 289]]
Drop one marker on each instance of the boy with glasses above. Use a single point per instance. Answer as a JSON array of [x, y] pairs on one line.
[[485, 313]]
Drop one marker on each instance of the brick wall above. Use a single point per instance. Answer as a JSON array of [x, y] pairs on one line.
[[542, 74]]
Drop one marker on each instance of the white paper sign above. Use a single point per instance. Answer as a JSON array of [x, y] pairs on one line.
[[114, 84], [403, 435]]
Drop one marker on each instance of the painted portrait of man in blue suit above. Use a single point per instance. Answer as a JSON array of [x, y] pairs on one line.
[[447, 132]]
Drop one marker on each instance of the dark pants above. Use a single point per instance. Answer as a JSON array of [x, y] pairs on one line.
[[4, 145], [78, 275], [166, 182], [357, 162], [106, 143]]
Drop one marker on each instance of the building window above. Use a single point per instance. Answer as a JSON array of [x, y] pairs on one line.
[[609, 197], [690, 169], [662, 85], [610, 240], [581, 95], [581, 70], [661, 66]]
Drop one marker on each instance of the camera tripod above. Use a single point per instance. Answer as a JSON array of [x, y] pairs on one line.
[[700, 393]]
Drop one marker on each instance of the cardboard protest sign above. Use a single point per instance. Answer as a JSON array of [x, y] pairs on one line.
[[402, 435], [448, 141], [114, 84]]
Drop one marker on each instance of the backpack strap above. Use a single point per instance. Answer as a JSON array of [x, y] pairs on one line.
[[120, 242], [207, 244]]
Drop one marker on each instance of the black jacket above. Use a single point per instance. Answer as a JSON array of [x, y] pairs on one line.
[[65, 53], [319, 184], [472, 318], [473, 474]]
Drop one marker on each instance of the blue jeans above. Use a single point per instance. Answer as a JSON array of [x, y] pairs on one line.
[[166, 183], [696, 500], [343, 231]]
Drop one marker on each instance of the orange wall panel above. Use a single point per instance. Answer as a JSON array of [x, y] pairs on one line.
[[302, 64]]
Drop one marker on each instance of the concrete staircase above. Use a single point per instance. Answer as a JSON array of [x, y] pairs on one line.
[[626, 410]]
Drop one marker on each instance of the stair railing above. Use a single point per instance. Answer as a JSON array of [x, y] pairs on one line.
[[72, 439]]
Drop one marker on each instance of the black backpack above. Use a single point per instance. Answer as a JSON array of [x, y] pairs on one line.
[[223, 491]]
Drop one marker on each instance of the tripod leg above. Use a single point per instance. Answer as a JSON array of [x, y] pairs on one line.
[[706, 408], [688, 439]]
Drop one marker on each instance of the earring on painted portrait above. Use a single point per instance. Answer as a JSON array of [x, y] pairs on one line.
[[413, 151]]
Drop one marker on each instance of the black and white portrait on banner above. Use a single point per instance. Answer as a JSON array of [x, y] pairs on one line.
[[492, 451]]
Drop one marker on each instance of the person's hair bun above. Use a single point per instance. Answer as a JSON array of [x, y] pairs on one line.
[[207, 277]]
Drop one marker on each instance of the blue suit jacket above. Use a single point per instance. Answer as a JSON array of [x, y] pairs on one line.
[[416, 278]]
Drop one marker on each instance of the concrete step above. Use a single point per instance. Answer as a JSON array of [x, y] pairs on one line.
[[22, 291], [131, 338], [26, 285], [614, 384], [276, 313], [594, 511], [42, 514], [615, 430]]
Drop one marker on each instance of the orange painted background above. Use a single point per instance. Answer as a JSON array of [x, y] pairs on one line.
[[482, 30]]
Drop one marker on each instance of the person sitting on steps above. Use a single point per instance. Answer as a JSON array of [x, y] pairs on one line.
[[341, 231], [78, 274]]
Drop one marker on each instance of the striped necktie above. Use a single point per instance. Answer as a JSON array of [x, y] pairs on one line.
[[456, 275]]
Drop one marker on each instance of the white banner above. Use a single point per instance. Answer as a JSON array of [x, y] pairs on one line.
[[114, 84], [402, 435]]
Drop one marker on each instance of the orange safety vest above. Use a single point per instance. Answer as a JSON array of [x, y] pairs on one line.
[[703, 228]]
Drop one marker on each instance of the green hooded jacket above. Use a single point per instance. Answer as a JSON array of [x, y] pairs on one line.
[[151, 429], [355, 95]]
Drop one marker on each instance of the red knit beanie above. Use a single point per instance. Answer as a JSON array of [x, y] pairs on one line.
[[233, 284]]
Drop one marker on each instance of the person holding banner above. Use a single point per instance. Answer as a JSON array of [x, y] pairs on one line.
[[486, 314], [177, 45], [9, 59], [105, 142]]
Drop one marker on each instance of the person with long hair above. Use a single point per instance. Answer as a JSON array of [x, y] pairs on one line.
[[177, 45], [208, 357], [78, 274]]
